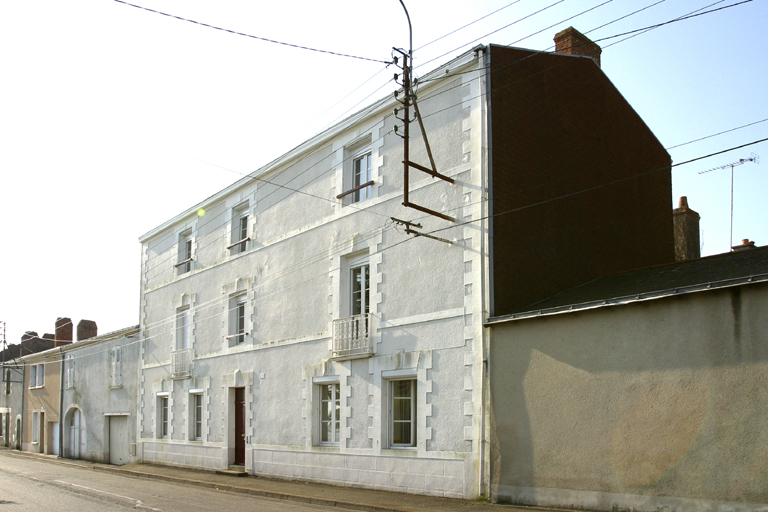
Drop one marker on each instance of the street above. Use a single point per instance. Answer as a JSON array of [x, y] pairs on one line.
[[34, 485]]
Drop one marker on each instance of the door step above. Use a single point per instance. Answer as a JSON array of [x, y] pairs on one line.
[[232, 471]]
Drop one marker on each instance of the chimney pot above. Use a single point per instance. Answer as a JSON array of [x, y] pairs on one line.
[[746, 245]]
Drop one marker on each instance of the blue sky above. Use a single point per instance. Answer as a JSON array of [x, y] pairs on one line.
[[115, 119]]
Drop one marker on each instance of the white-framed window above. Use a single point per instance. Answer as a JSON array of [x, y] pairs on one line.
[[183, 327], [237, 319], [35, 427], [402, 413], [37, 375], [116, 367], [196, 416], [163, 427], [184, 263], [69, 371], [360, 282], [239, 238], [361, 177], [330, 407], [358, 179]]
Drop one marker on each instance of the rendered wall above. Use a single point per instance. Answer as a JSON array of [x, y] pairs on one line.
[[426, 299], [93, 394], [660, 405], [43, 400]]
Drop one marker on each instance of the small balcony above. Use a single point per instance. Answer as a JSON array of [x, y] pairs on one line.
[[352, 337], [181, 360]]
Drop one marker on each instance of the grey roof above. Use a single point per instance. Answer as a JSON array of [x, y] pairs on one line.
[[712, 272]]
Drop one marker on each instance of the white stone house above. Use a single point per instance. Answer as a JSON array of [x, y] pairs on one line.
[[99, 392], [301, 333]]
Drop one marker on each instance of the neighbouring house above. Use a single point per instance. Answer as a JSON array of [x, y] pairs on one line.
[[290, 325], [645, 390], [11, 374], [99, 398], [39, 411]]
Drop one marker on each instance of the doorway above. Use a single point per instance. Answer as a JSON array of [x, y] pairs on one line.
[[118, 440], [239, 426], [74, 434]]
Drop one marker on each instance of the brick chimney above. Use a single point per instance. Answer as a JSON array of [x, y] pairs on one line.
[[745, 246], [686, 232], [86, 329], [63, 331], [573, 42]]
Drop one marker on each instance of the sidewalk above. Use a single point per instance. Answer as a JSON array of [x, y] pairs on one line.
[[349, 498]]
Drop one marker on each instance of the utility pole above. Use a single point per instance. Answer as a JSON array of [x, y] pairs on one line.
[[755, 158], [409, 100]]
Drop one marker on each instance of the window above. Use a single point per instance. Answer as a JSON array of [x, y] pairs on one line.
[[184, 264], [36, 375], [162, 415], [183, 328], [69, 371], [237, 319], [357, 172], [196, 403], [116, 367], [7, 382], [361, 286], [239, 229], [361, 178], [329, 414], [35, 427], [402, 413]]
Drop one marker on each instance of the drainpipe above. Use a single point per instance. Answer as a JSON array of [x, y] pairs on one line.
[[61, 404], [21, 427]]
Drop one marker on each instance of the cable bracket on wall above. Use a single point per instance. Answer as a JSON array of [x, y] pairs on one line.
[[408, 231]]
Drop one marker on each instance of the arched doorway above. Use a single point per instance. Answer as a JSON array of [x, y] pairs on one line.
[[74, 434]]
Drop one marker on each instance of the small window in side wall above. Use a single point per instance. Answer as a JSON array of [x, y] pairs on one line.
[[7, 382], [184, 263], [237, 319], [40, 375], [239, 228], [402, 413], [330, 422]]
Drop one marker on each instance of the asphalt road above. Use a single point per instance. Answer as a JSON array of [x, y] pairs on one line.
[[32, 485]]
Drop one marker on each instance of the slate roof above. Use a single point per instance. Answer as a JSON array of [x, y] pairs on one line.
[[712, 272]]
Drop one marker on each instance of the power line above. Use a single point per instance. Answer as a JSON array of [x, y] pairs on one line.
[[252, 36]]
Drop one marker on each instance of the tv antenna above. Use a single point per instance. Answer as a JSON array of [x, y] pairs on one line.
[[756, 159]]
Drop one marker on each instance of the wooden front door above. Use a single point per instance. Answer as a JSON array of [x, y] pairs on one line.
[[240, 426]]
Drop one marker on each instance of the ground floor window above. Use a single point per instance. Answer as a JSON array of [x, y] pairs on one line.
[[402, 413], [196, 400], [162, 416], [329, 414]]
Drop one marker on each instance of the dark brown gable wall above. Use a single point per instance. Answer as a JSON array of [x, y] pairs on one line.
[[566, 148]]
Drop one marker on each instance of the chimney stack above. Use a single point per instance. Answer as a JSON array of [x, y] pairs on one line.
[[573, 42], [63, 332], [86, 329], [686, 232], [745, 246]]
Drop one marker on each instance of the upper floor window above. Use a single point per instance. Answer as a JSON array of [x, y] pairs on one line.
[[237, 319], [116, 367], [184, 264], [37, 376], [183, 328], [69, 371], [239, 228], [357, 180], [361, 287]]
